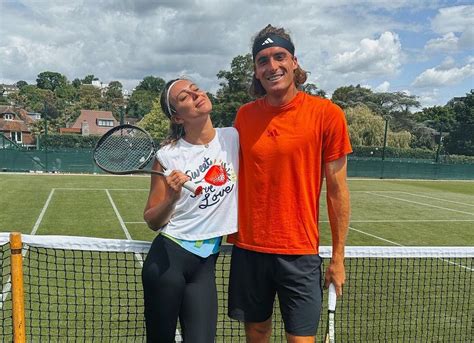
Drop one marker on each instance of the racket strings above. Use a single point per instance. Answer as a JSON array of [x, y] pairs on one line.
[[124, 150]]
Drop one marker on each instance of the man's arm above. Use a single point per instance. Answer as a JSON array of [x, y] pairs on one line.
[[338, 204]]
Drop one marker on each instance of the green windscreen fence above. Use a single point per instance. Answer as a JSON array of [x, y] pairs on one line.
[[408, 169], [80, 161]]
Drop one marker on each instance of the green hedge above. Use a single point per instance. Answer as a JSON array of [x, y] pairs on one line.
[[371, 151], [58, 142], [405, 154], [67, 141]]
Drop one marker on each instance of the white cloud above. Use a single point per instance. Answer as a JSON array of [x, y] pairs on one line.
[[428, 99], [447, 43], [441, 76], [126, 40], [383, 87], [374, 57], [453, 19]]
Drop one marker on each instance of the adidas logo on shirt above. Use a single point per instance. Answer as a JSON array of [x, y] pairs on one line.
[[272, 133], [267, 41]]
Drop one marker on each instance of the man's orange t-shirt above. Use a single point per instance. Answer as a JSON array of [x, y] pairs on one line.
[[283, 150]]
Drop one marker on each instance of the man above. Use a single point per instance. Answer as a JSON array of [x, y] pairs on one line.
[[289, 142]]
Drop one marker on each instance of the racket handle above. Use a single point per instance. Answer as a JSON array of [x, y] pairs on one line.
[[332, 297], [190, 186]]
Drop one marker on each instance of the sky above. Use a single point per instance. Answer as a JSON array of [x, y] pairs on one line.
[[424, 48]]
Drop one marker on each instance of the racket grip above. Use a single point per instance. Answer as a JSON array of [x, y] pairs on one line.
[[332, 297], [190, 186]]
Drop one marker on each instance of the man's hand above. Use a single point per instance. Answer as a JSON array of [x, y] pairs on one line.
[[335, 274]]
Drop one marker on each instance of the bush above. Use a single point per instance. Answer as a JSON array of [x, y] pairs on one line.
[[402, 154], [68, 141], [390, 152]]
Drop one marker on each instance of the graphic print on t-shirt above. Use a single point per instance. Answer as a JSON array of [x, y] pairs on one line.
[[217, 182], [216, 175]]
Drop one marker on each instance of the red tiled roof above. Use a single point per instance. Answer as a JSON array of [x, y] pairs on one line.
[[25, 117], [8, 109], [91, 117], [13, 125]]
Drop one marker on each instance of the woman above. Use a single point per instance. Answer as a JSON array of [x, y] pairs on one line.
[[179, 271]]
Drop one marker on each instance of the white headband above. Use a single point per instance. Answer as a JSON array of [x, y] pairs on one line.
[[168, 96]]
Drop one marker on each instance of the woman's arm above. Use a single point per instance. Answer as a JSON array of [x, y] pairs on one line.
[[164, 193]]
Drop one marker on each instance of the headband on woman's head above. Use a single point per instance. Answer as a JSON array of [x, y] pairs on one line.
[[271, 40], [168, 97]]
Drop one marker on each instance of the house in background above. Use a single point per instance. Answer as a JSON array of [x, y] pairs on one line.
[[15, 124], [91, 122], [8, 89]]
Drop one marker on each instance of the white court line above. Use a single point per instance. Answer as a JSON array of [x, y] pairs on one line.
[[406, 180], [377, 237], [382, 221], [420, 203], [8, 285], [178, 337], [102, 189], [119, 217], [43, 211], [401, 245], [425, 196], [409, 221]]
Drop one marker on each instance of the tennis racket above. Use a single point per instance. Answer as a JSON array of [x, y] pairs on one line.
[[127, 149], [331, 311]]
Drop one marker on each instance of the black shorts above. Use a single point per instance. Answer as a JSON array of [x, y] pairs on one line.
[[256, 277]]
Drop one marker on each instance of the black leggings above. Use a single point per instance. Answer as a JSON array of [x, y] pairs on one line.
[[177, 283]]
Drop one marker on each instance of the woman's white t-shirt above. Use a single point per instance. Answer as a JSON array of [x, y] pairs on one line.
[[215, 167]]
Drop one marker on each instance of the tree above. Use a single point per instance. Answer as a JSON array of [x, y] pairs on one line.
[[365, 127], [156, 122], [234, 90], [461, 140], [76, 83], [35, 99], [388, 103], [151, 84], [351, 96], [3, 98], [50, 80], [88, 79], [140, 103], [89, 97], [399, 139], [423, 137], [312, 89], [20, 84], [113, 100], [440, 118], [141, 100]]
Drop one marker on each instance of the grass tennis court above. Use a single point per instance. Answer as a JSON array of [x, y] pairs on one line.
[[384, 213]]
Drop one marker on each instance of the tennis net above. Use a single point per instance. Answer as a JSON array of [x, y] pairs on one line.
[[89, 290]]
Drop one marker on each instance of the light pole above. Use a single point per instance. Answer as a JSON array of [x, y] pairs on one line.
[[122, 114], [439, 144], [387, 119]]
